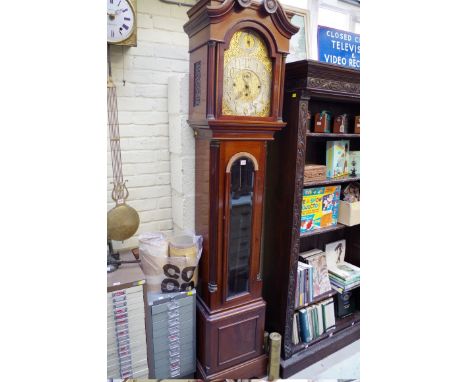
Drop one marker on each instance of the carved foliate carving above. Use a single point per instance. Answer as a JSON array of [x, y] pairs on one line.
[[339, 86], [297, 210], [197, 83]]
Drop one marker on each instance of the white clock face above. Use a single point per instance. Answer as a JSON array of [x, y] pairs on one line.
[[120, 20]]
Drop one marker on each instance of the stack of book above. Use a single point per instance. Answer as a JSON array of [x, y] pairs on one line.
[[304, 288], [312, 280], [311, 322], [343, 276]]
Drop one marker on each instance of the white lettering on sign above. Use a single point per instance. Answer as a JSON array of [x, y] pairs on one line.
[[346, 47], [339, 35], [337, 60]]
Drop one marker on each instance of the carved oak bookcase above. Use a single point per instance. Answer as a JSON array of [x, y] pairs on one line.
[[310, 87], [237, 62]]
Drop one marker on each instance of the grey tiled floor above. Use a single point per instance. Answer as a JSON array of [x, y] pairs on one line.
[[344, 364]]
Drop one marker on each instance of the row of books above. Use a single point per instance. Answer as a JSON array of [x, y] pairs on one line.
[[312, 277], [311, 322]]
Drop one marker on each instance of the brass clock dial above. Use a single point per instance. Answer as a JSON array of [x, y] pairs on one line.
[[247, 76]]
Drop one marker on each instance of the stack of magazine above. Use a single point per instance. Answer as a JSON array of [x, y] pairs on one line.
[[311, 322], [343, 276]]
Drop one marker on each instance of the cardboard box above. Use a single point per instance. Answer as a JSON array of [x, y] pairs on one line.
[[314, 172], [357, 125], [349, 213], [340, 124], [322, 122]]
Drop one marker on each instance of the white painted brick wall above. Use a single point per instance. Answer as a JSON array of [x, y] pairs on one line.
[[182, 151], [163, 194]]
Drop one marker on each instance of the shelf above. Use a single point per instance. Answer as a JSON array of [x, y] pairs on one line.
[[327, 182], [345, 333], [341, 324], [322, 297], [333, 135], [323, 230]]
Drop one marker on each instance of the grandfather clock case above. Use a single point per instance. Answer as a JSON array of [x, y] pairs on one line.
[[237, 63]]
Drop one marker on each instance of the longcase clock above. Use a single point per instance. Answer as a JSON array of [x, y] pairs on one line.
[[237, 61]]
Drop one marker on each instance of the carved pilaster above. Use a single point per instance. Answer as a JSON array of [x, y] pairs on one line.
[[214, 179], [297, 210]]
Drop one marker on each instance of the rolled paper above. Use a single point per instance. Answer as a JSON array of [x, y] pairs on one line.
[[274, 359]]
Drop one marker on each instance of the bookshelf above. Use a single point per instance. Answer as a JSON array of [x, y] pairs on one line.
[[310, 87]]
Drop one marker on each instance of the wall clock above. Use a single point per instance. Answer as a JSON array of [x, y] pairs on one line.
[[237, 51], [121, 22]]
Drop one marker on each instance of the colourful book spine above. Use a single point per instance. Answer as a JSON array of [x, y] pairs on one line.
[[305, 329], [315, 320]]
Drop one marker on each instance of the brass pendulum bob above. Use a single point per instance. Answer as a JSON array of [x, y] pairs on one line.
[[122, 220]]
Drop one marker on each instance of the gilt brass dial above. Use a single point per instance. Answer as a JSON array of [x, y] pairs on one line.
[[247, 76]]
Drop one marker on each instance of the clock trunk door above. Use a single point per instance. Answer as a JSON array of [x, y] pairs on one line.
[[242, 212]]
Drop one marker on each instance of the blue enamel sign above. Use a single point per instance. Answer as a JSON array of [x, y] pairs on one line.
[[339, 47]]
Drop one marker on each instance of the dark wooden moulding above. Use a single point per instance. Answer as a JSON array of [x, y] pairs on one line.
[[230, 330], [310, 87]]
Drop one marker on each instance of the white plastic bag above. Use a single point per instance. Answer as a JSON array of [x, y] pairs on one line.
[[170, 265]]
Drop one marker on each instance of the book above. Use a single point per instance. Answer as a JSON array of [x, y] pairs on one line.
[[348, 288], [306, 335], [338, 281], [354, 163], [319, 314], [335, 252], [319, 207], [343, 276], [295, 337], [304, 284], [346, 271], [314, 312], [337, 158], [328, 314], [305, 255], [320, 281]]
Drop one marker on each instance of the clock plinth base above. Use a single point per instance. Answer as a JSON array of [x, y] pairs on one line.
[[230, 342], [256, 367]]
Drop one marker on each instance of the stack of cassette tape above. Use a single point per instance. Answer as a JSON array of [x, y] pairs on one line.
[[126, 336]]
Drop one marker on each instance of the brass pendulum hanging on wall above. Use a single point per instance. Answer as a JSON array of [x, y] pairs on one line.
[[122, 220]]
